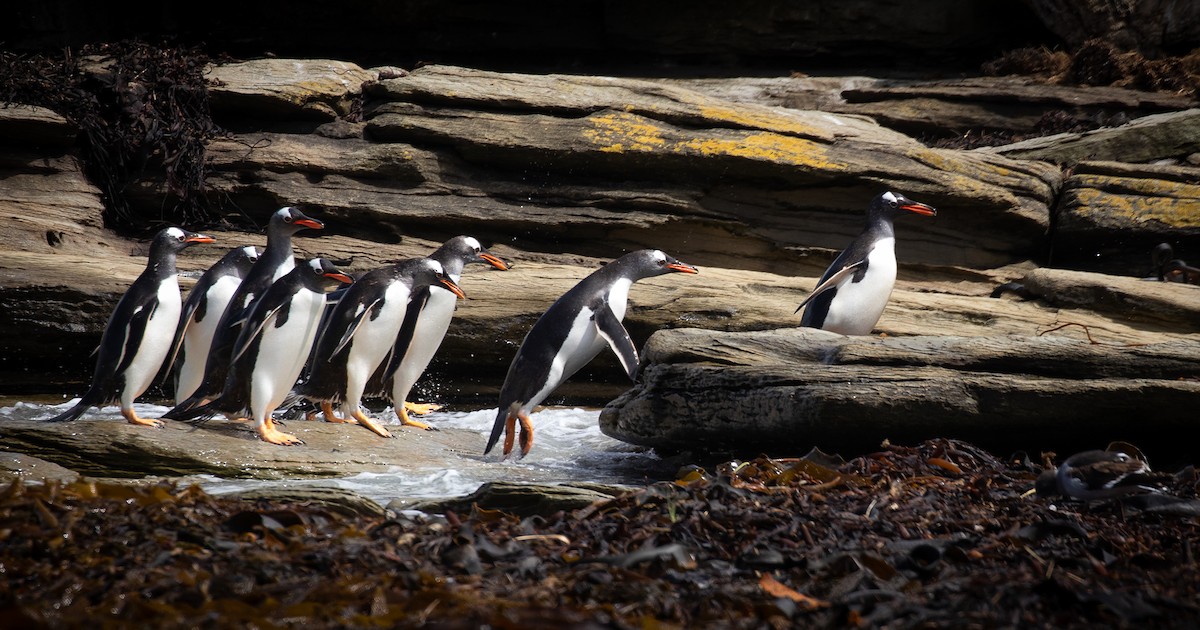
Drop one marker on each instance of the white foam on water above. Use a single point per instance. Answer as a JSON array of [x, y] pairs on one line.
[[569, 447]]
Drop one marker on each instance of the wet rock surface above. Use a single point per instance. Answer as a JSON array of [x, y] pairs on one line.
[[790, 389], [937, 535]]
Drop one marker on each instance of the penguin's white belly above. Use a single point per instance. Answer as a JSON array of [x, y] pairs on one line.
[[427, 338], [282, 352], [858, 305], [582, 344], [156, 343], [198, 338], [372, 341]]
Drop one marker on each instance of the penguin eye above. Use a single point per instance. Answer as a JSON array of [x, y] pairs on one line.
[[893, 203], [287, 218]]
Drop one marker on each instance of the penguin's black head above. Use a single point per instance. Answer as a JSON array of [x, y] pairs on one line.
[[294, 219], [1161, 255], [326, 274], [429, 272], [647, 263], [463, 250], [175, 239], [889, 204]]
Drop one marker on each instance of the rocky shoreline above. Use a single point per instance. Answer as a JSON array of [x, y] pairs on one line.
[[558, 173]]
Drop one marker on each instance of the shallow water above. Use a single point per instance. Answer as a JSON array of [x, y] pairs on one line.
[[569, 447]]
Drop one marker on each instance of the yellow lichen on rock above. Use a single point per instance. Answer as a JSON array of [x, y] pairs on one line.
[[766, 147], [1165, 209], [767, 121], [617, 132]]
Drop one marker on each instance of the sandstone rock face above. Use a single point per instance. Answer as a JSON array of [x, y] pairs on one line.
[[560, 173], [1155, 137], [1112, 214], [790, 389]]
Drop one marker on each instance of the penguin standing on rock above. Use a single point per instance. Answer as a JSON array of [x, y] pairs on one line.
[[851, 295], [272, 348], [361, 331], [276, 260], [569, 335], [201, 311], [140, 331], [426, 323]]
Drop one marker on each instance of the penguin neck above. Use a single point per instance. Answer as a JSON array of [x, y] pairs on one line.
[[162, 264], [879, 228], [278, 252], [453, 265]]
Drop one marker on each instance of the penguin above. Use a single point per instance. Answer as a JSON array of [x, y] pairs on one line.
[[359, 334], [140, 331], [851, 295], [1100, 475], [276, 260], [431, 312], [201, 311], [1160, 256], [1178, 271], [569, 335], [271, 350]]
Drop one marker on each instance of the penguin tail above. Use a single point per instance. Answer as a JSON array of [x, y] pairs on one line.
[[497, 428], [190, 410], [87, 401]]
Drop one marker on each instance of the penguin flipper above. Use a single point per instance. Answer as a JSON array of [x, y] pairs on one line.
[[614, 333], [831, 281], [247, 337], [134, 332], [353, 327], [405, 337]]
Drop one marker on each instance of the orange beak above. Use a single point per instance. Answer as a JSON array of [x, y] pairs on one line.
[[682, 267], [919, 208], [494, 261], [454, 288]]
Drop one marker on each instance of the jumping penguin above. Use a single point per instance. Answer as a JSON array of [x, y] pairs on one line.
[[851, 295], [359, 334], [271, 350], [140, 331], [201, 311], [426, 322], [276, 260], [1092, 475], [569, 335]]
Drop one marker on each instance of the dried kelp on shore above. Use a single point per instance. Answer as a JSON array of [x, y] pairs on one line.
[[941, 534]]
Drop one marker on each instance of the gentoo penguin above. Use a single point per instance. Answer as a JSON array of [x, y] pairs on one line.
[[851, 295], [359, 334], [275, 261], [272, 348], [569, 335], [201, 311], [1099, 475], [140, 331], [1161, 255], [420, 338], [1178, 271]]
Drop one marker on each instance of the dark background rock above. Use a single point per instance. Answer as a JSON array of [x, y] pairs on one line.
[[592, 35]]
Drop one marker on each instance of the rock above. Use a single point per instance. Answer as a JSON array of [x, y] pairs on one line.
[[1146, 25], [1174, 305], [679, 142], [796, 388], [1155, 137], [296, 89], [517, 498], [335, 500], [1112, 215], [14, 466], [34, 126], [108, 448]]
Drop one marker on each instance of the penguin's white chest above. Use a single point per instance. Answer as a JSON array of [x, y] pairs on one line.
[[583, 341], [156, 341], [376, 335], [199, 336], [282, 352], [857, 306], [431, 328]]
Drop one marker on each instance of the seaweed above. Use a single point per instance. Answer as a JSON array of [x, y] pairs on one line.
[[140, 109]]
